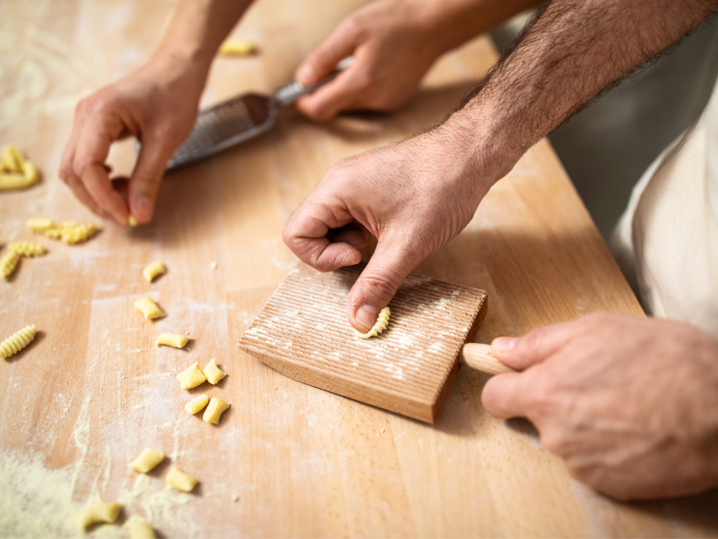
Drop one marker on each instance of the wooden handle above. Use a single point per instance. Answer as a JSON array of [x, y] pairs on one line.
[[479, 358]]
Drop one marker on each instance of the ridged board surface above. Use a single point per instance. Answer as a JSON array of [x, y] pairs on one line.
[[303, 332]]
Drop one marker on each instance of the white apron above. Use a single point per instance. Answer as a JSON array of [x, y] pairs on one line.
[[666, 242]]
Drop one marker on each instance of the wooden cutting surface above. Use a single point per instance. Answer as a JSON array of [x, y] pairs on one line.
[[287, 459]]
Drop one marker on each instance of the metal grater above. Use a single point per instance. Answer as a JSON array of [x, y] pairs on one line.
[[238, 119]]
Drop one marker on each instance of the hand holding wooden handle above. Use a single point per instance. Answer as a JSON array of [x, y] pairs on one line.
[[478, 357]]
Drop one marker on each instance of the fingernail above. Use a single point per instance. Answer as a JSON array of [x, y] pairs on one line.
[[306, 74], [366, 315], [505, 344]]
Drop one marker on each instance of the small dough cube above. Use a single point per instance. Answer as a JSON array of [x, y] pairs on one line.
[[191, 377], [181, 481], [99, 512], [147, 460], [153, 270], [141, 529], [213, 373], [172, 339], [149, 308], [214, 410], [196, 404]]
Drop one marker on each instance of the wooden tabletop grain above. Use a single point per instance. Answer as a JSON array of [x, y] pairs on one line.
[[93, 390]]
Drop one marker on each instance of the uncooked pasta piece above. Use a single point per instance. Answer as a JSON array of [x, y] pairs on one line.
[[12, 159], [13, 344], [149, 308], [8, 263], [15, 171], [27, 248], [236, 47], [147, 460], [140, 529], [191, 377], [196, 404], [380, 325], [29, 171], [180, 481], [99, 512], [214, 410], [14, 180], [39, 224], [77, 232], [172, 339], [132, 220], [213, 373], [153, 270]]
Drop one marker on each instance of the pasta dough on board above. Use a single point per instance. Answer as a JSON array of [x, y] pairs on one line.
[[147, 461], [196, 404], [149, 308], [140, 529], [99, 512], [191, 377], [236, 47], [213, 373], [13, 344], [214, 410], [172, 339], [27, 248], [154, 270], [180, 480], [8, 263], [380, 325]]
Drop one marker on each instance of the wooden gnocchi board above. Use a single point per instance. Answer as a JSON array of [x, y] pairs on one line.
[[303, 333]]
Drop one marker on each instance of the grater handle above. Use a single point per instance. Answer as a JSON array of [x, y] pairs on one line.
[[289, 93]]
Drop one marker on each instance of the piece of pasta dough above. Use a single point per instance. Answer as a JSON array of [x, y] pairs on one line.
[[236, 47], [39, 224], [153, 270], [99, 512], [12, 159], [214, 410], [8, 263], [16, 172], [147, 460], [213, 373], [141, 529], [380, 325], [180, 480], [13, 344], [149, 308], [191, 377], [132, 220], [196, 404], [74, 233], [172, 339], [27, 248]]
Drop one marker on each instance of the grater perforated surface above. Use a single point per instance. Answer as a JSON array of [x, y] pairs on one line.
[[302, 332]]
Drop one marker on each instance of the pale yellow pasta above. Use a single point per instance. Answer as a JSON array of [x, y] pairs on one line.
[[214, 410], [147, 460], [8, 263], [172, 339], [27, 248], [29, 171], [99, 512], [191, 377], [180, 480], [140, 529], [13, 344], [196, 404], [15, 171], [153, 270], [236, 47], [213, 373], [132, 220], [77, 233], [380, 325], [12, 159], [39, 224], [149, 308]]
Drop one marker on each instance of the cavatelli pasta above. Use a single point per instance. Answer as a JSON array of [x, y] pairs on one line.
[[8, 263], [12, 159], [39, 224], [27, 248], [14, 180], [12, 345], [77, 233], [380, 325], [15, 171]]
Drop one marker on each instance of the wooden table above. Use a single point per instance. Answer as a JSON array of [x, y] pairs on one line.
[[287, 459]]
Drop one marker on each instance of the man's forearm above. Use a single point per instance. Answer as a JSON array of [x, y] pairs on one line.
[[196, 30], [573, 50]]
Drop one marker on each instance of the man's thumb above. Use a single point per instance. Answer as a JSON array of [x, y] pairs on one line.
[[146, 179], [377, 285]]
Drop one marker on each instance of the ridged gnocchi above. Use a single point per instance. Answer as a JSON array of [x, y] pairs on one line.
[[68, 231], [16, 172], [27, 248], [8, 263], [380, 325], [13, 344]]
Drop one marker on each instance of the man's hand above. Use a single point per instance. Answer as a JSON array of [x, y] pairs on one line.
[[630, 404], [414, 197], [158, 105]]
